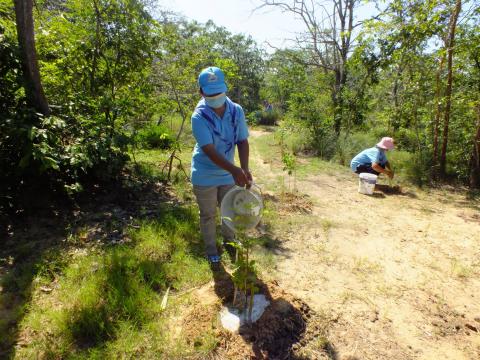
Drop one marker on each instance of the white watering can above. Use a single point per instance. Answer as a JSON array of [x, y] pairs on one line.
[[241, 208]]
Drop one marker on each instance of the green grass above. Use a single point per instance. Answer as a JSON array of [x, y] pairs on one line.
[[461, 270], [150, 165], [314, 166], [105, 302], [269, 149], [84, 299]]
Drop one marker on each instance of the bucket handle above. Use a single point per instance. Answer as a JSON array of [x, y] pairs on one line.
[[257, 187]]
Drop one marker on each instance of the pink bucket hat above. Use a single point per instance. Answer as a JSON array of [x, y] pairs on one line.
[[386, 143]]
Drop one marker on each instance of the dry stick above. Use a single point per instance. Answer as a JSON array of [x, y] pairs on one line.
[[173, 155], [250, 307], [245, 282], [234, 284]]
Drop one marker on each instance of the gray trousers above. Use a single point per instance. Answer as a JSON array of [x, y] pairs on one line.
[[208, 198]]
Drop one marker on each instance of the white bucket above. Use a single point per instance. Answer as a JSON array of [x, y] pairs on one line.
[[366, 183]]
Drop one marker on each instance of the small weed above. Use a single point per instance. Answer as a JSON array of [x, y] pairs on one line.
[[81, 235], [460, 270], [435, 266], [389, 291], [348, 295], [320, 247], [364, 266], [321, 343], [206, 343], [326, 225], [426, 209], [265, 261]]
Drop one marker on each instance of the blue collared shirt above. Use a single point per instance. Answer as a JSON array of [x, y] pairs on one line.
[[369, 156], [224, 134]]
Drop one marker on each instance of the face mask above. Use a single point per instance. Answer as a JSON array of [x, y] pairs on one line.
[[215, 101]]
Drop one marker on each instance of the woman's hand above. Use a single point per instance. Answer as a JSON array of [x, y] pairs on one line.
[[241, 176]]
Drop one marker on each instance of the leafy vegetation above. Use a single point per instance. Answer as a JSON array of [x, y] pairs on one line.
[[393, 84], [99, 93]]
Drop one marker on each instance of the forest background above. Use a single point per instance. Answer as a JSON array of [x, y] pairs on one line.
[[95, 103], [85, 82]]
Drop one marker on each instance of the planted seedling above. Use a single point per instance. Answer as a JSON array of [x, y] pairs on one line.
[[290, 166], [244, 275]]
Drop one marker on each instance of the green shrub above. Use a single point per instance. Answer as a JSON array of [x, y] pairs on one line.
[[405, 139], [56, 153], [350, 145], [264, 117], [295, 136], [324, 141], [155, 137], [412, 167]]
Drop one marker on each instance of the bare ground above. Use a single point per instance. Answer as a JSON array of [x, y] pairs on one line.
[[399, 272]]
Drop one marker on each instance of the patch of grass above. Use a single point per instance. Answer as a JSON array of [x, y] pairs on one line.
[[308, 166], [265, 262], [460, 270], [205, 343], [426, 209], [362, 265], [150, 165], [320, 247], [349, 295], [321, 343], [267, 146], [326, 225], [107, 303], [389, 291]]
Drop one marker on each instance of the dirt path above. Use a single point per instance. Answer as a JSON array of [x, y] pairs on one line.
[[399, 275]]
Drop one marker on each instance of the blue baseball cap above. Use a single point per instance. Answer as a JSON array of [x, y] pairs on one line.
[[212, 81]]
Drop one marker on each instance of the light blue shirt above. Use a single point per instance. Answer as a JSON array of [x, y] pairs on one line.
[[369, 156], [224, 134]]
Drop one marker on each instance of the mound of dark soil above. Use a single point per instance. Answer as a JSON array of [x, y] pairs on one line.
[[286, 326]]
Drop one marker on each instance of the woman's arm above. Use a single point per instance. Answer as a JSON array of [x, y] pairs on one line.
[[241, 179], [244, 154], [381, 170]]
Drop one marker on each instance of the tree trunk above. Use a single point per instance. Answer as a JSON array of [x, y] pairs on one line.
[[448, 92], [337, 102], [330, 44], [96, 51], [475, 159], [438, 111], [26, 40]]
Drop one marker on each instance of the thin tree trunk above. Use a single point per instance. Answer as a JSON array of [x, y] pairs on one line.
[[96, 51], [475, 159], [438, 111], [448, 92], [26, 40], [394, 124], [184, 117]]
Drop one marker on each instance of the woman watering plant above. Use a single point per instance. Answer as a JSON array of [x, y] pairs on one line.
[[218, 125]]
